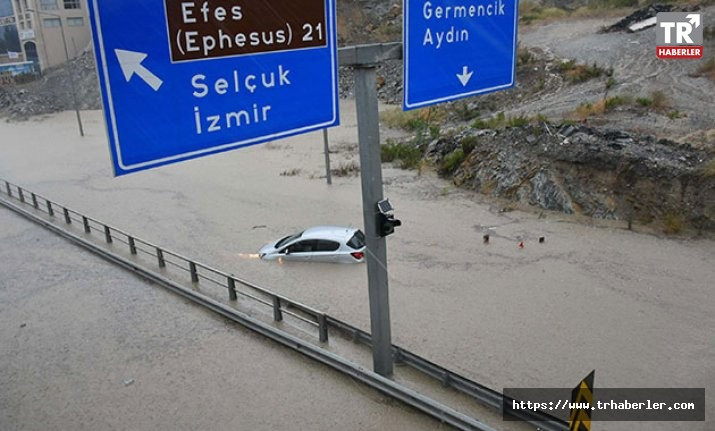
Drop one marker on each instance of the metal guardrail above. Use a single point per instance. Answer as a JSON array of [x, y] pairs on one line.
[[169, 259], [450, 379], [199, 271]]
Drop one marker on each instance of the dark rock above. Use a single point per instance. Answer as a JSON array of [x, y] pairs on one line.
[[602, 173]]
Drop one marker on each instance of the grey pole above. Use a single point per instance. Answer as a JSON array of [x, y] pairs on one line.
[[328, 175], [371, 178], [69, 66], [71, 75]]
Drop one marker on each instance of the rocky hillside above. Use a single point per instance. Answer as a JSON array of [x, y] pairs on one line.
[[579, 169]]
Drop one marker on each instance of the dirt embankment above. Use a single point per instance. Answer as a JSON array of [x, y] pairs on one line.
[[578, 169], [635, 73], [53, 91]]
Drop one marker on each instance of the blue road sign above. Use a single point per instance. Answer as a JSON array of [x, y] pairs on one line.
[[456, 48], [182, 79]]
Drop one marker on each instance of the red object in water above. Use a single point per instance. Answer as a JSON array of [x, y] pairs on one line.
[[521, 244]]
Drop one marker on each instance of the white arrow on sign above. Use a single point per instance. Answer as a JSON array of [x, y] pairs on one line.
[[694, 19], [131, 63], [465, 76]]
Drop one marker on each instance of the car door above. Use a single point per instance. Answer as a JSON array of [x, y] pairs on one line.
[[326, 251], [300, 251]]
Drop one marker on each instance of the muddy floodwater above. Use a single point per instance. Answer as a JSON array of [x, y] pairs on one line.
[[634, 306], [89, 346]]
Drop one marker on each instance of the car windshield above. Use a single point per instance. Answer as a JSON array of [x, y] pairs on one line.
[[288, 239], [357, 241]]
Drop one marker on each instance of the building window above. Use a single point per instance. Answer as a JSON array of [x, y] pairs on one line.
[[50, 22], [48, 4], [71, 4], [75, 22]]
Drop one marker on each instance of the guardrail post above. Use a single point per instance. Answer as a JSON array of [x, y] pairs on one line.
[[323, 328], [277, 313], [107, 234], [132, 245], [445, 379], [85, 222], [194, 275], [8, 189], [34, 201], [50, 211], [399, 358], [232, 289], [160, 257], [68, 220], [21, 194]]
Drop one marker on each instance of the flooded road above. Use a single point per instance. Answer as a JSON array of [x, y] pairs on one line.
[[635, 307], [89, 346]]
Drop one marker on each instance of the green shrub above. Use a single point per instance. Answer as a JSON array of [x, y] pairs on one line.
[[674, 115], [416, 120], [468, 144], [491, 123], [519, 121], [707, 69], [434, 131], [708, 169], [673, 223], [660, 100], [615, 101], [567, 65], [464, 112], [348, 169], [407, 154], [577, 73], [621, 3], [709, 31], [523, 57], [610, 83], [451, 161], [291, 172], [530, 11], [644, 101]]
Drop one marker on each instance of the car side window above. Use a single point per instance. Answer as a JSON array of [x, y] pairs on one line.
[[326, 245], [306, 246]]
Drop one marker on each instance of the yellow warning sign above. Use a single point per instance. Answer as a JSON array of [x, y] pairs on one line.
[[582, 399]]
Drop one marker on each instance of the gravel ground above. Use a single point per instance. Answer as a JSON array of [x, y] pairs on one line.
[[637, 72]]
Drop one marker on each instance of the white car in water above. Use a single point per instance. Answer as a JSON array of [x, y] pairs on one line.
[[318, 244]]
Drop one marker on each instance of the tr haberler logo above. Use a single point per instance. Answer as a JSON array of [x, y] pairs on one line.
[[679, 35]]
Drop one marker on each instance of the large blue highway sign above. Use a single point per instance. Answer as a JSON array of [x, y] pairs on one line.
[[457, 48], [186, 78]]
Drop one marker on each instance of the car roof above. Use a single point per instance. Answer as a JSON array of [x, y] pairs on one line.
[[337, 233]]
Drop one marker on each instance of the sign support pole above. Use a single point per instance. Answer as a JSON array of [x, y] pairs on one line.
[[328, 174], [371, 178]]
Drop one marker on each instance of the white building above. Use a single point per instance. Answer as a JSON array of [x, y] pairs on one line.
[[39, 25]]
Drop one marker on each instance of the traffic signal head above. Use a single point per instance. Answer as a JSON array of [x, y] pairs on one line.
[[386, 224]]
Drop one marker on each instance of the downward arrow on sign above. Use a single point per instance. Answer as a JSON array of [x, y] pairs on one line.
[[465, 76], [131, 64]]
